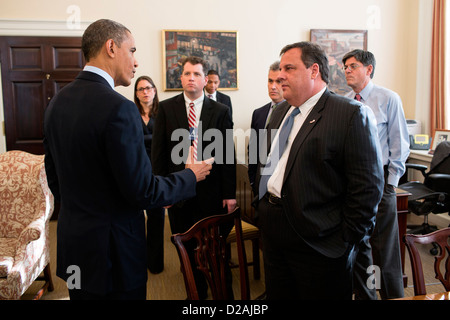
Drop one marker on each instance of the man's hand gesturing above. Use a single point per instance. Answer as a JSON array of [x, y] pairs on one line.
[[200, 168]]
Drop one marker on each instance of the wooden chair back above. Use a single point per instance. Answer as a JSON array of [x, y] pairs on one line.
[[211, 255], [442, 260]]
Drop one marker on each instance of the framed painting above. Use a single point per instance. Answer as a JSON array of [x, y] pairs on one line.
[[336, 44], [218, 48]]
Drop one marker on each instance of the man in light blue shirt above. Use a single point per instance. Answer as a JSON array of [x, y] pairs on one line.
[[383, 250]]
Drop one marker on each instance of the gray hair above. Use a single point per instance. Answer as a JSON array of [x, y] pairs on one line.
[[275, 66]]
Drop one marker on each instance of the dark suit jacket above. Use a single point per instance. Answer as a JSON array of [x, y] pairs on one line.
[[225, 99], [221, 183], [334, 175], [98, 168]]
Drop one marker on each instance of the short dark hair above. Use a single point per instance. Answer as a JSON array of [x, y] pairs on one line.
[[100, 31], [311, 53], [213, 72], [365, 57], [194, 60]]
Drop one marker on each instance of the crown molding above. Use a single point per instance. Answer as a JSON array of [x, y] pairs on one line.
[[10, 27]]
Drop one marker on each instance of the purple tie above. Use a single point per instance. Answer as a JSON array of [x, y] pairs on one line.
[[358, 97]]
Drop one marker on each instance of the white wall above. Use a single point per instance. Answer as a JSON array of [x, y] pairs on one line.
[[264, 27]]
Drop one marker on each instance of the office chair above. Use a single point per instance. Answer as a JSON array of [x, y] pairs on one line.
[[433, 195], [439, 238]]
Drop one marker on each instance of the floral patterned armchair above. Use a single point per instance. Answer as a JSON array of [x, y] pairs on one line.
[[26, 205]]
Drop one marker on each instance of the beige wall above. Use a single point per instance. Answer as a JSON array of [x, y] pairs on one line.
[[398, 36]]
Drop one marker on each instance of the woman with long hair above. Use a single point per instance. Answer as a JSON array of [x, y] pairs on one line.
[[146, 100]]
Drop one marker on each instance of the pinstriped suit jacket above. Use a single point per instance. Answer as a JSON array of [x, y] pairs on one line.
[[334, 176]]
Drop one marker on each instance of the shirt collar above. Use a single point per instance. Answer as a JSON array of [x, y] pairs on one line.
[[198, 102], [211, 94], [101, 73], [311, 102], [365, 93], [272, 103]]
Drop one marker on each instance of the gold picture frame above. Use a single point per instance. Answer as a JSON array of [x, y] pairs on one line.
[[336, 44], [218, 48]]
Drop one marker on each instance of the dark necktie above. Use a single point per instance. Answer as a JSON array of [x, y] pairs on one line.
[[277, 152], [358, 97], [272, 108]]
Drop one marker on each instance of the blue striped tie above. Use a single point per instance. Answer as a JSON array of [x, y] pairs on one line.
[[275, 156]]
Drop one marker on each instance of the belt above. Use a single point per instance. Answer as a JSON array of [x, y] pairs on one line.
[[273, 199]]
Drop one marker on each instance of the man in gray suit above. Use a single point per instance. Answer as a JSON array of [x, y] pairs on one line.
[[321, 197]]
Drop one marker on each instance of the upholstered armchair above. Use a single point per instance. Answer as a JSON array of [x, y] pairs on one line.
[[26, 205]]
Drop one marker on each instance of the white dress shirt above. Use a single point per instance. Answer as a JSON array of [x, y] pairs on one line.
[[275, 182], [198, 104], [213, 95], [392, 128]]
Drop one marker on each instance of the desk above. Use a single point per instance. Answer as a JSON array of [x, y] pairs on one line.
[[402, 211], [431, 296]]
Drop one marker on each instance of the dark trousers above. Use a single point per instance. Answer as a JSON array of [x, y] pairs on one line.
[[155, 239], [294, 270], [136, 294], [382, 250]]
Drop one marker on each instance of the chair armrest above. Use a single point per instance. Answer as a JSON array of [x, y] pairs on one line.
[[439, 182], [420, 167], [31, 233], [440, 176]]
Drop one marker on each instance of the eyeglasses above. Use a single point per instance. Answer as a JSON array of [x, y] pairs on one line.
[[145, 89], [351, 67]]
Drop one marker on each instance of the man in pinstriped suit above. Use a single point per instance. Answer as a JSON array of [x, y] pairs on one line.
[[323, 194]]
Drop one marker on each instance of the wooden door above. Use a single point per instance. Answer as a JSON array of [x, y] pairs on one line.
[[33, 70]]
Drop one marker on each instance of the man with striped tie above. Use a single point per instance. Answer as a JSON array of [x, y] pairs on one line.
[[190, 112]]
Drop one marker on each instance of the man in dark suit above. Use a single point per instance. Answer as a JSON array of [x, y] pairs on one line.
[[320, 197], [192, 117], [98, 168], [211, 87], [261, 117]]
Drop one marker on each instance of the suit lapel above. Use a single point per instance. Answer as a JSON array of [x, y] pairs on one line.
[[206, 114], [263, 116], [180, 112], [310, 122]]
